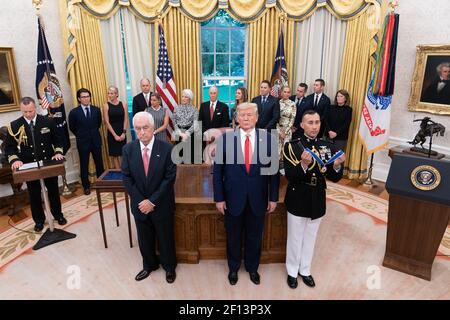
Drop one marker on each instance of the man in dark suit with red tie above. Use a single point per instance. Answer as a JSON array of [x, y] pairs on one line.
[[142, 100], [85, 121], [320, 103], [213, 113], [149, 177], [246, 185], [302, 104], [268, 107]]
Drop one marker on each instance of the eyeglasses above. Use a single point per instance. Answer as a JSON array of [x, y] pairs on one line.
[[82, 97]]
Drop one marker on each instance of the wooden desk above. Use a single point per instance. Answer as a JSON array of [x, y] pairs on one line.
[[111, 181], [199, 227]]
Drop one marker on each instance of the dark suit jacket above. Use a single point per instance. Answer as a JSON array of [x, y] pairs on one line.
[[48, 143], [221, 117], [304, 105], [139, 103], [269, 114], [322, 106], [231, 182], [86, 130], [157, 186], [431, 94]]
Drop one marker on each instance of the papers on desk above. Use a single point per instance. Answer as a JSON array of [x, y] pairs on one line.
[[30, 165]]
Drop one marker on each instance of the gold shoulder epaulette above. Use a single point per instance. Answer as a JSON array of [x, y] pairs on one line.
[[291, 157], [20, 135]]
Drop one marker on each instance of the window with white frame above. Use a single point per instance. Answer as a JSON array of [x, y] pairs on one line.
[[223, 44]]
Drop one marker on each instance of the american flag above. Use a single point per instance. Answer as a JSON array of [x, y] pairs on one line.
[[165, 85]]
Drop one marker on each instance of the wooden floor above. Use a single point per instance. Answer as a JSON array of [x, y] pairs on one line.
[[378, 189]]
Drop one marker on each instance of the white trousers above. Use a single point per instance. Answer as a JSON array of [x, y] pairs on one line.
[[301, 239]]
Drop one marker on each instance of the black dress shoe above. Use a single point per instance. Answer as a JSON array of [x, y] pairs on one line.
[[308, 280], [144, 274], [87, 191], [254, 276], [170, 276], [62, 221], [233, 278], [38, 227], [292, 282]]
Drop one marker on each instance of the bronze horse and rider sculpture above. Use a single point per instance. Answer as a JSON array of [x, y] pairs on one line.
[[427, 129]]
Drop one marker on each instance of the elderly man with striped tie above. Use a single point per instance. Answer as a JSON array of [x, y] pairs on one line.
[[149, 177], [245, 188]]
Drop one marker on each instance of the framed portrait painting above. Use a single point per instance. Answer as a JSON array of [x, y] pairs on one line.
[[430, 86], [9, 84]]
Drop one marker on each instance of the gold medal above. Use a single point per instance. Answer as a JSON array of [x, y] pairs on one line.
[[323, 169]]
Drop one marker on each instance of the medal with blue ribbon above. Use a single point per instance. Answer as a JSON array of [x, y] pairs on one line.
[[323, 165]]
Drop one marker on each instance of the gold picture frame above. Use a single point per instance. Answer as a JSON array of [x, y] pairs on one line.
[[9, 84], [429, 93]]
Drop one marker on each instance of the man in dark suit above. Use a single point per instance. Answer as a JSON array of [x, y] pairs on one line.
[[439, 90], [213, 113], [246, 185], [320, 102], [268, 107], [47, 145], [142, 100], [302, 104], [85, 121], [149, 176], [305, 194]]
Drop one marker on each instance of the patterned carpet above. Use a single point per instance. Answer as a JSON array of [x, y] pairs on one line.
[[347, 262], [15, 242], [20, 239]]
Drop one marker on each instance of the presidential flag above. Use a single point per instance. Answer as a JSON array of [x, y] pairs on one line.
[[376, 111], [279, 73], [165, 85], [48, 88]]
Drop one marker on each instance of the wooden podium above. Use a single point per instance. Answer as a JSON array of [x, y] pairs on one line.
[[419, 212], [51, 169]]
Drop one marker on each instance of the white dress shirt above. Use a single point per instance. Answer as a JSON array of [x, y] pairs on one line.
[[149, 153], [318, 95], [34, 120], [149, 148], [252, 138]]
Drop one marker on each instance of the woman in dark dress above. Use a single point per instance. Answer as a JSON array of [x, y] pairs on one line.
[[115, 116], [339, 119]]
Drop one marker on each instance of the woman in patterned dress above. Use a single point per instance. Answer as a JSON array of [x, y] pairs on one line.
[[184, 118], [287, 116]]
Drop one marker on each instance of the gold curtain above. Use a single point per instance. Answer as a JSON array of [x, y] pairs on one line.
[[183, 44], [357, 66], [263, 40], [85, 65], [243, 10]]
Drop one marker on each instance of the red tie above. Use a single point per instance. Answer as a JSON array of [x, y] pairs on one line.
[[248, 153], [211, 110], [145, 160]]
